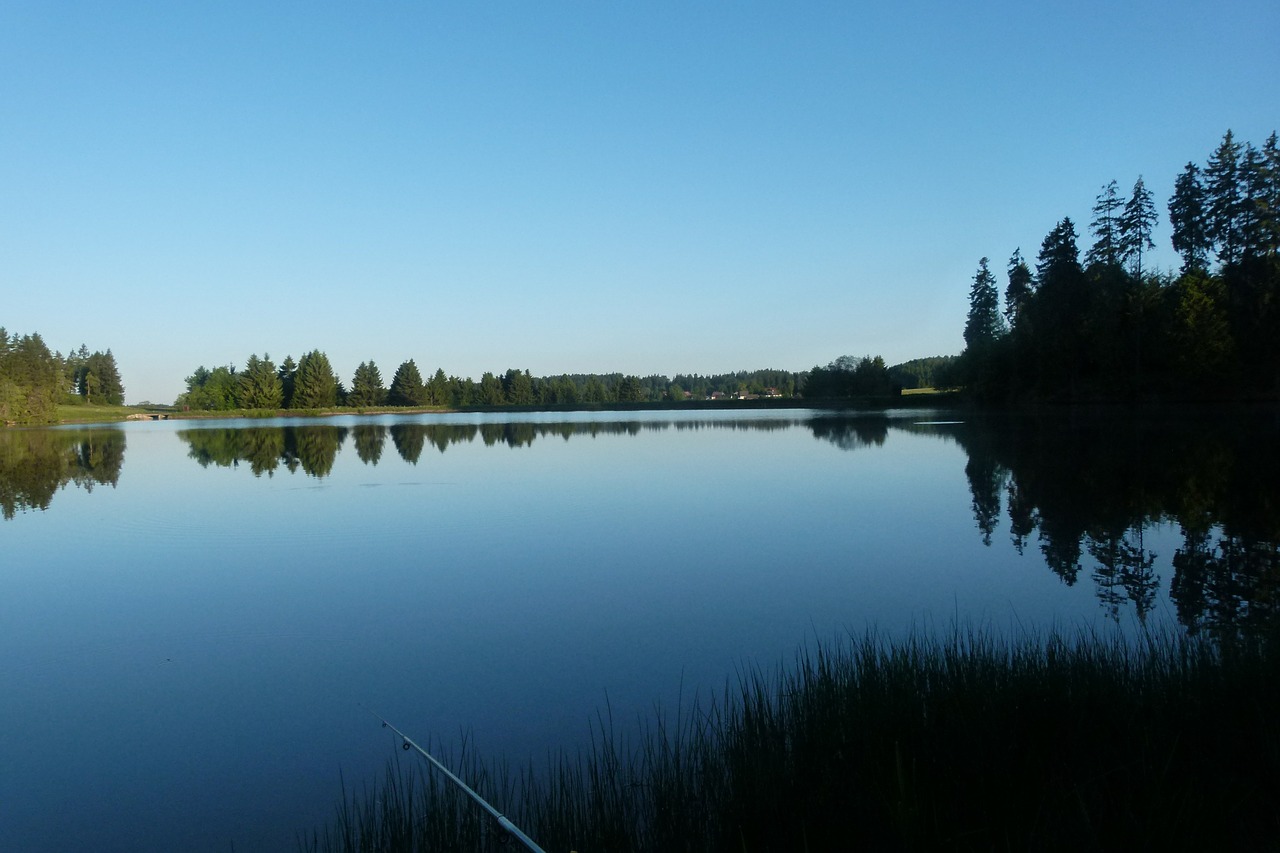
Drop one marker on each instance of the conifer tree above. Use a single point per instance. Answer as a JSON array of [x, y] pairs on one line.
[[1137, 221], [259, 384], [1189, 219], [406, 386], [1106, 227], [438, 389], [491, 390], [288, 374], [1224, 200], [1019, 289], [366, 386], [315, 385], [984, 325]]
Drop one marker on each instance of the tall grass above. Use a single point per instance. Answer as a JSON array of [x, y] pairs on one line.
[[966, 742]]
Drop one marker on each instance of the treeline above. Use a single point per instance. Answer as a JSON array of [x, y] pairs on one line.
[[310, 383], [933, 372], [1106, 327], [34, 381]]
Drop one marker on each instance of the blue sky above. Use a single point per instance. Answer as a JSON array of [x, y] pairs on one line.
[[576, 187]]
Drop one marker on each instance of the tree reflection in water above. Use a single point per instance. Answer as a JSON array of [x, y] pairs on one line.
[[1093, 484], [35, 464], [1085, 488]]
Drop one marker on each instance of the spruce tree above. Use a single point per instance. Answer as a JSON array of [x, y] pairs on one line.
[[1224, 200], [259, 385], [406, 386], [984, 325], [438, 389], [366, 386], [1189, 219], [1106, 227], [1256, 218], [1271, 214], [1137, 221], [1019, 289], [491, 390], [517, 388], [288, 374], [315, 386]]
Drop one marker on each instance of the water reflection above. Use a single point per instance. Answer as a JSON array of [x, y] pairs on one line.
[[1093, 486], [35, 464], [266, 449], [314, 447], [1085, 493]]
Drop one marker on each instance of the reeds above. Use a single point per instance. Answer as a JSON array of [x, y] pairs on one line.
[[967, 742]]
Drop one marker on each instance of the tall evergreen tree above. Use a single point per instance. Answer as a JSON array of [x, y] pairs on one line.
[[1271, 216], [984, 325], [1190, 219], [630, 390], [99, 380], [491, 390], [366, 386], [259, 384], [315, 385], [288, 374], [1058, 264], [438, 392], [517, 387], [73, 368], [406, 386], [1019, 289], [1225, 204], [1256, 216], [1106, 227], [30, 380], [1137, 222], [1059, 311]]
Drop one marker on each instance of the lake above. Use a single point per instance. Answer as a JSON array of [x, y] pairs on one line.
[[198, 615]]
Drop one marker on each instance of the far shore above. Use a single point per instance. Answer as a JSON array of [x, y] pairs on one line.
[[87, 415]]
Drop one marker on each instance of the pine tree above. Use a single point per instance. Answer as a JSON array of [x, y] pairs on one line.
[[366, 386], [1189, 219], [1224, 200], [259, 385], [288, 374], [517, 388], [1058, 263], [406, 386], [30, 380], [1271, 213], [99, 379], [1256, 217], [438, 389], [984, 325], [1106, 227], [1019, 289], [491, 390], [315, 386], [1137, 221]]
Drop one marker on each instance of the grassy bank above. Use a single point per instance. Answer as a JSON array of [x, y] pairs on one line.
[[967, 743]]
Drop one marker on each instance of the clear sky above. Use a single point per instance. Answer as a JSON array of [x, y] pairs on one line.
[[641, 187]]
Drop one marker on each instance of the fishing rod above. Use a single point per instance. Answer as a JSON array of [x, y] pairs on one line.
[[497, 815]]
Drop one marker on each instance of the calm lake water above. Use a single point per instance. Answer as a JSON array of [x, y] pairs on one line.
[[196, 614]]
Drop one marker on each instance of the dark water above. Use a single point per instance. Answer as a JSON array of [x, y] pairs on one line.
[[193, 614]]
